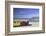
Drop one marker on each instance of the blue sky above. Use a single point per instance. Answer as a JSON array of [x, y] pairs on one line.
[[25, 12]]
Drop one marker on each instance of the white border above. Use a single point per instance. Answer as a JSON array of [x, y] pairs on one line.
[[25, 28]]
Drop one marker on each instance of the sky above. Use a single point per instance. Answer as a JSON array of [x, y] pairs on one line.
[[25, 12]]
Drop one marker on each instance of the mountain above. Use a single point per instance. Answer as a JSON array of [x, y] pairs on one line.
[[33, 19]]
